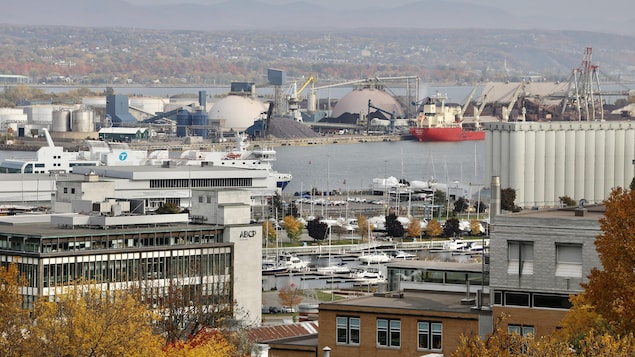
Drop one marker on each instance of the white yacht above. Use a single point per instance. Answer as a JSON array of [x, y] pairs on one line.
[[374, 258], [292, 262]]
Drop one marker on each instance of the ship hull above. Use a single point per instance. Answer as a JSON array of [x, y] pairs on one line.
[[446, 134]]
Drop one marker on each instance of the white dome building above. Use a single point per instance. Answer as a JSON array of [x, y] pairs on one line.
[[356, 102], [237, 112]]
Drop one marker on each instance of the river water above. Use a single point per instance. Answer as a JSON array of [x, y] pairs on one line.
[[354, 166]]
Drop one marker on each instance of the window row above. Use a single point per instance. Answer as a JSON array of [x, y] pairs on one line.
[[210, 182], [520, 259], [526, 299], [132, 269], [389, 332]]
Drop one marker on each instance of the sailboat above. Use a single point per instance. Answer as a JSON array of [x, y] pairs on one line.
[[334, 268]]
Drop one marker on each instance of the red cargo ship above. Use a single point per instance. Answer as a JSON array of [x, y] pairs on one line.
[[438, 122]]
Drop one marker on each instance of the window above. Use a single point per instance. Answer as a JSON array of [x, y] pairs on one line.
[[523, 331], [569, 260], [520, 258], [430, 335], [516, 299], [65, 189], [388, 333], [200, 199], [348, 330]]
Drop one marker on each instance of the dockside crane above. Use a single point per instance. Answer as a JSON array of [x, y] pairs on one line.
[[391, 115], [294, 97], [506, 110], [467, 102], [583, 91]]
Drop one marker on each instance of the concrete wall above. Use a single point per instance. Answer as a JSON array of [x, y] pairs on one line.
[[543, 161]]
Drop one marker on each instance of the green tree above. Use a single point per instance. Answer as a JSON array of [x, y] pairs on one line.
[[451, 228], [168, 208], [461, 205], [394, 228], [508, 198], [317, 230], [567, 201]]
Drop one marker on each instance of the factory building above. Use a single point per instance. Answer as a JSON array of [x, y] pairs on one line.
[[543, 161]]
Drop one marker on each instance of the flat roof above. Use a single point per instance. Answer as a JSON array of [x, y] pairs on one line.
[[408, 300], [436, 265], [592, 212], [147, 172], [40, 225]]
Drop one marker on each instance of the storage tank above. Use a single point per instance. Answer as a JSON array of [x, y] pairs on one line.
[[82, 121], [183, 121], [61, 120], [40, 114], [200, 122], [148, 104]]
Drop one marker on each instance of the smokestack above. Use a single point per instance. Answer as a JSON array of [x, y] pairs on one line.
[[202, 99], [495, 204]]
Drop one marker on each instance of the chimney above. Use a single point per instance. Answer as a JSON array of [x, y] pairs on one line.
[[495, 203]]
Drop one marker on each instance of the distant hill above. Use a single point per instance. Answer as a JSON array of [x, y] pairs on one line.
[[253, 14]]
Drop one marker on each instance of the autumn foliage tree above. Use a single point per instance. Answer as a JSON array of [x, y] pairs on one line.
[[363, 228], [414, 228], [88, 322], [434, 228], [13, 318], [611, 289], [290, 296], [293, 227]]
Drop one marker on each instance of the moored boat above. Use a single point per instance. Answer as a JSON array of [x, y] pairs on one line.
[[441, 122]]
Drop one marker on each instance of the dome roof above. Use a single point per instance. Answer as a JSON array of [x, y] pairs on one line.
[[237, 112], [357, 102]]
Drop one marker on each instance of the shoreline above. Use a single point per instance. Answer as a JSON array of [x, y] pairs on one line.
[[32, 145]]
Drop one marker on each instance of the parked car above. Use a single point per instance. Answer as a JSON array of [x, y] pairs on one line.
[[264, 309], [288, 310], [275, 310]]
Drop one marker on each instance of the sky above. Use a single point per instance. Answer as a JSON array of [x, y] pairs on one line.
[[584, 9]]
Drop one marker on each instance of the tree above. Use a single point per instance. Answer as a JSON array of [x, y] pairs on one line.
[[567, 201], [290, 296], [293, 227], [269, 231], [317, 230], [434, 228], [475, 227], [611, 289], [14, 320], [207, 342], [451, 228], [461, 205], [86, 321], [414, 228], [363, 228], [508, 196], [168, 208], [480, 207], [276, 206], [394, 228]]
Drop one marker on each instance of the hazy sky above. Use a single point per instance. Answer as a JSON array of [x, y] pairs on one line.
[[584, 9]]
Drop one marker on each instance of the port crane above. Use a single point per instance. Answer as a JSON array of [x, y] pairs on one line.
[[294, 96], [583, 91], [506, 110], [391, 115]]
